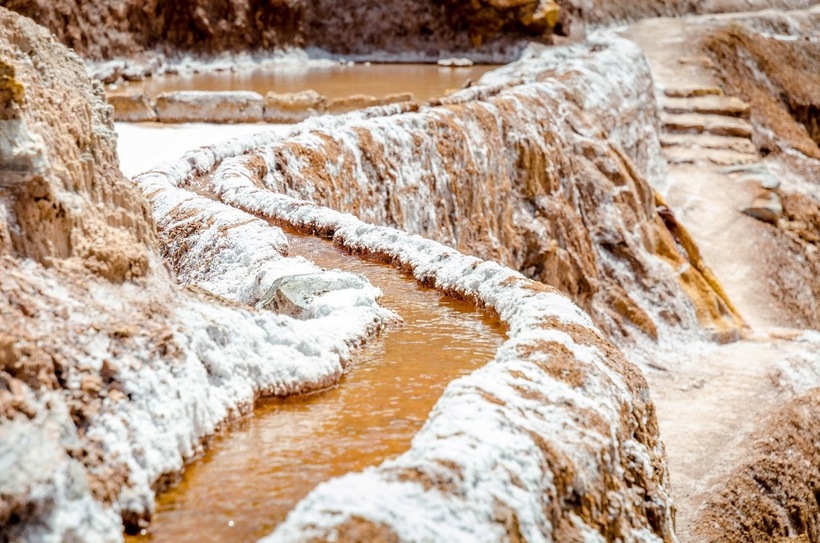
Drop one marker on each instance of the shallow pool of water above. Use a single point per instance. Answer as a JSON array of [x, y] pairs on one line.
[[262, 465], [425, 81]]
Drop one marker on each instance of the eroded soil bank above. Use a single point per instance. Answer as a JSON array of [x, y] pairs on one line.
[[409, 29], [104, 29]]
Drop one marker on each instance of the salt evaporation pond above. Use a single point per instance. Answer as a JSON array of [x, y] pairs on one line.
[[261, 466], [335, 80]]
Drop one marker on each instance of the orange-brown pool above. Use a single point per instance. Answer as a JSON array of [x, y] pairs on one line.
[[257, 470], [425, 81]]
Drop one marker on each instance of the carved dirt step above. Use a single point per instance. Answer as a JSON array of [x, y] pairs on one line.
[[689, 92], [708, 141], [720, 157], [697, 123], [710, 105]]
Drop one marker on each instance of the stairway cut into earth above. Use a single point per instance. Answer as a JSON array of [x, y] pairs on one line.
[[719, 400]]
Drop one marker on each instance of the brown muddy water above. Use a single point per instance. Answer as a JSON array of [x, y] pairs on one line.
[[259, 467], [425, 81]]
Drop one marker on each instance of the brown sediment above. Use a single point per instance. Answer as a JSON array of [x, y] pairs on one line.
[[803, 216], [561, 365], [774, 495], [625, 308], [212, 107], [293, 107], [240, 106], [362, 101], [132, 108], [793, 272], [438, 481], [186, 224], [359, 530]]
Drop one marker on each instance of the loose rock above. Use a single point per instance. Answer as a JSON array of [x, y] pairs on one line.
[[764, 180], [294, 295], [767, 208]]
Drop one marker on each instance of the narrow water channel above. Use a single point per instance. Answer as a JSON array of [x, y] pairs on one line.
[[425, 81], [261, 466]]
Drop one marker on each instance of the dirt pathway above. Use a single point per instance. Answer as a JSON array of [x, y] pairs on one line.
[[708, 407], [698, 141], [717, 396]]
